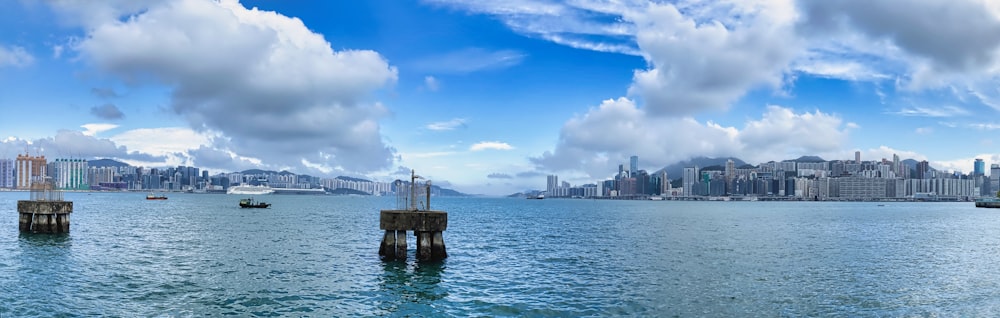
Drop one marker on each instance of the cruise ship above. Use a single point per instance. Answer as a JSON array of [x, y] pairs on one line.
[[250, 190]]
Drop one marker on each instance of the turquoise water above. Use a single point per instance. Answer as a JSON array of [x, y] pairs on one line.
[[201, 255]]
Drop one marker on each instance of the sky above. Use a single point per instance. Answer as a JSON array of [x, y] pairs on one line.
[[489, 97]]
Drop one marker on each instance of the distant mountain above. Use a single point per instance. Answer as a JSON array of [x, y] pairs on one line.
[[675, 171], [257, 171], [434, 189], [809, 159], [106, 163]]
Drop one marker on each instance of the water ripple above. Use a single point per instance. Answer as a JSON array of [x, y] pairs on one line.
[[316, 256]]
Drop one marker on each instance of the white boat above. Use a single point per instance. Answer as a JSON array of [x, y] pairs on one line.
[[249, 190]]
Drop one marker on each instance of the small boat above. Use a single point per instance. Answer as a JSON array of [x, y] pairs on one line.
[[155, 197], [251, 203]]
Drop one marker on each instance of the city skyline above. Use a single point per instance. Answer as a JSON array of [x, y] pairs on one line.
[[490, 98]]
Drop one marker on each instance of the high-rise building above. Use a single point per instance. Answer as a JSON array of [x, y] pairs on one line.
[[857, 157], [633, 166], [979, 167], [70, 174], [29, 169], [7, 173], [922, 170], [994, 177], [664, 182], [896, 166], [730, 171], [689, 179], [553, 183]]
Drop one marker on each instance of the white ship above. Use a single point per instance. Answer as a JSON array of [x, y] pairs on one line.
[[250, 190]]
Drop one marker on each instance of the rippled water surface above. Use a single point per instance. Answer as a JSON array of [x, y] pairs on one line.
[[199, 254]]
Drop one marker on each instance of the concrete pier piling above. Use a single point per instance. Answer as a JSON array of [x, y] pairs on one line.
[[46, 212], [411, 215], [426, 226]]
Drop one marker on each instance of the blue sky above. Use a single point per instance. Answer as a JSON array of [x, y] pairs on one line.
[[490, 96]]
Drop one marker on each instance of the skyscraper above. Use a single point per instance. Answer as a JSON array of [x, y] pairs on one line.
[[689, 179], [29, 169], [995, 177], [633, 166], [979, 167], [6, 173], [922, 168], [857, 157], [553, 182], [896, 166], [70, 174]]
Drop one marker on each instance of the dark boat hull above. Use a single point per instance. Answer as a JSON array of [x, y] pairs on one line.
[[255, 206]]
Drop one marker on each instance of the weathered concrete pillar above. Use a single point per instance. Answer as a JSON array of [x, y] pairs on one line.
[[437, 246], [44, 216], [423, 245], [401, 244], [426, 226]]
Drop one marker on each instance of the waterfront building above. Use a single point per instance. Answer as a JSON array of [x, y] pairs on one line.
[[7, 173], [633, 166], [29, 169], [979, 167], [70, 174], [552, 184], [689, 179], [923, 169]]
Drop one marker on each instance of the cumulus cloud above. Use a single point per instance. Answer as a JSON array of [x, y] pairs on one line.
[[597, 141], [274, 89], [705, 55], [707, 66], [487, 145], [75, 144], [447, 125], [162, 141], [94, 129], [15, 56], [963, 37], [205, 156], [929, 44], [107, 111]]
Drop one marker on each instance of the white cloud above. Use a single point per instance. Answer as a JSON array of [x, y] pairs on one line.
[[596, 142], [162, 141], [15, 56], [943, 111], [431, 83], [707, 66], [447, 125], [274, 89], [885, 152], [490, 145], [591, 25], [94, 129], [965, 164], [924, 130], [469, 60]]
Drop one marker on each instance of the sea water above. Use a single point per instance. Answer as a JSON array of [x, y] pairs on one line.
[[201, 255]]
